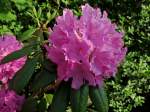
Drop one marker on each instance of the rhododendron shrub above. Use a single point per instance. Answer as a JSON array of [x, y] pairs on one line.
[[61, 67], [86, 50]]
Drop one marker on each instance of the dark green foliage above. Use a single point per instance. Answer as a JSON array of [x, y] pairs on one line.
[[99, 98], [30, 105], [61, 98], [79, 99], [132, 85], [42, 106], [42, 79], [5, 5], [22, 77]]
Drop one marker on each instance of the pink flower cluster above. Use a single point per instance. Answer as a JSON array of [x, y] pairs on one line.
[[87, 49], [10, 101], [9, 44]]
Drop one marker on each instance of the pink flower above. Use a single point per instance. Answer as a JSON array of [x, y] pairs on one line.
[[9, 44], [86, 50], [10, 101]]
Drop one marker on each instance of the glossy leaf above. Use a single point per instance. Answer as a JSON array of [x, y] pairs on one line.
[[22, 77], [99, 99], [61, 98], [79, 99], [17, 54], [43, 79]]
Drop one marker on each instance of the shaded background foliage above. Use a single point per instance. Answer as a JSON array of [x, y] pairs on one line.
[[130, 90]]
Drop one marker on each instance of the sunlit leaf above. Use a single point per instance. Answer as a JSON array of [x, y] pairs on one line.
[[27, 34]]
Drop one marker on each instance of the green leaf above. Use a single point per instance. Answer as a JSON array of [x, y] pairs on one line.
[[99, 99], [51, 16], [35, 12], [39, 12], [61, 98], [42, 79], [48, 15], [17, 54], [30, 105], [66, 2], [79, 99], [42, 106], [58, 2], [48, 98], [49, 66], [27, 34], [22, 77]]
